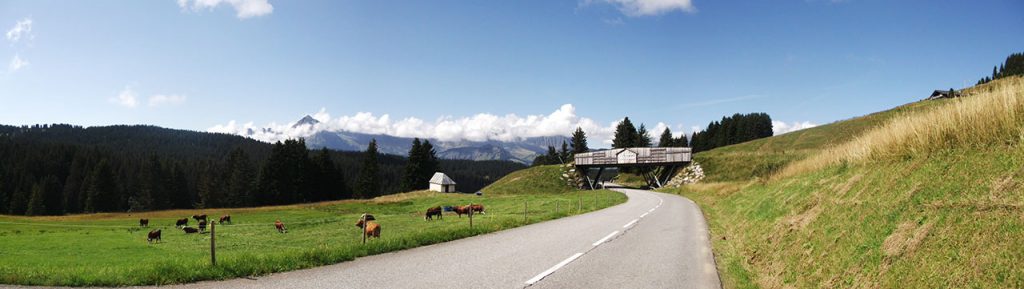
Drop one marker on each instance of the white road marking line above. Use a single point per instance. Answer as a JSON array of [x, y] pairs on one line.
[[644, 215], [631, 223], [651, 210], [605, 238], [553, 269]]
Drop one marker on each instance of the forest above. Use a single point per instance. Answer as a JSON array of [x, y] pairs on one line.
[[731, 130], [66, 169], [1014, 65]]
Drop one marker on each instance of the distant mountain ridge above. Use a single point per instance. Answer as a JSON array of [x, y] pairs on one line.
[[522, 151]]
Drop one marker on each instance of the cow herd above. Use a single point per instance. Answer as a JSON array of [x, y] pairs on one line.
[[182, 224], [366, 221]]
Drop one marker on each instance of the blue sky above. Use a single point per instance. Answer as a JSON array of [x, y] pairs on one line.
[[457, 69]]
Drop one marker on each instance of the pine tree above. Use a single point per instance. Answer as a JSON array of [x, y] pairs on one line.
[[666, 139], [428, 166], [241, 179], [368, 184], [102, 191], [642, 137], [36, 204], [625, 134], [413, 167], [552, 156], [579, 141], [328, 182], [564, 154]]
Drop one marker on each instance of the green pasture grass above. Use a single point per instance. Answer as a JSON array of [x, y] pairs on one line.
[[110, 250]]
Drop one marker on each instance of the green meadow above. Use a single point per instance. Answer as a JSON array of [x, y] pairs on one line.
[[111, 250]]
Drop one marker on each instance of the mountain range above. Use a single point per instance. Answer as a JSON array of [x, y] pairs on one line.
[[521, 151]]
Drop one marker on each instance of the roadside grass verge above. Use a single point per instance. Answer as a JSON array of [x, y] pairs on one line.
[[109, 249], [928, 195]]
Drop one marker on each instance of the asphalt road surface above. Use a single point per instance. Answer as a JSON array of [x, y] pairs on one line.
[[654, 240]]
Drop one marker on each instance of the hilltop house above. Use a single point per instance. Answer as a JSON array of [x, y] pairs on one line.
[[944, 94], [442, 183]]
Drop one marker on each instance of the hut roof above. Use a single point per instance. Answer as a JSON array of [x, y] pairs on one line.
[[441, 179]]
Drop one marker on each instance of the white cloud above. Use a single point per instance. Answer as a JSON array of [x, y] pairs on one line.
[[780, 127], [125, 98], [166, 99], [479, 127], [17, 63], [637, 8], [21, 29], [243, 8]]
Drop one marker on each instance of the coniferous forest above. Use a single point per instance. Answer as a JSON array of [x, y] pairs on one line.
[[66, 169], [1014, 65], [731, 130]]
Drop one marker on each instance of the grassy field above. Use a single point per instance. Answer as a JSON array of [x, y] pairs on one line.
[[936, 203], [110, 250]]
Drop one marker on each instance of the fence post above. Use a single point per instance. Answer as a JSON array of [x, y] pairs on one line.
[[363, 229], [213, 243], [556, 207], [471, 216], [524, 211]]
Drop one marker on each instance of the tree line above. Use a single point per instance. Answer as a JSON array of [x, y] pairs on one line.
[[66, 169], [731, 130], [1014, 65]]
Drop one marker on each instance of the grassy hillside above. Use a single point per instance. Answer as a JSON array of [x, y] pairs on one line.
[[926, 195], [110, 250]]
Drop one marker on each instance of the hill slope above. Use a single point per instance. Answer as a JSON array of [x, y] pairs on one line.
[[936, 203]]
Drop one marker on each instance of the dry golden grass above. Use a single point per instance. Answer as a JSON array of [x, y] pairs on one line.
[[989, 115]]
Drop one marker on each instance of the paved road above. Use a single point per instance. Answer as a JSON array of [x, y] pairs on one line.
[[666, 247]]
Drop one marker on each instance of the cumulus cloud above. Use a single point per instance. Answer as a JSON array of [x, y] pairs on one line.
[[21, 29], [166, 99], [780, 127], [638, 8], [243, 8], [17, 63], [478, 127], [125, 98]]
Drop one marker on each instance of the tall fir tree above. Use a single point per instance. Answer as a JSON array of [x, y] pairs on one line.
[[642, 137], [241, 179], [625, 134], [102, 191], [413, 167], [579, 141], [565, 154], [36, 205], [666, 139], [429, 164], [368, 184]]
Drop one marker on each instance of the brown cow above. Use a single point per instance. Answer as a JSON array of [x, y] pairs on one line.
[[143, 222], [372, 229], [431, 212], [153, 235], [199, 217], [280, 227], [461, 210], [181, 222], [478, 208], [190, 230], [202, 225], [225, 218]]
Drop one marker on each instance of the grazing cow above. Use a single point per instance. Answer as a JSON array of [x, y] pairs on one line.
[[461, 210], [199, 217], [372, 229], [280, 227], [202, 225], [153, 235], [225, 218], [190, 230], [431, 212], [181, 222], [478, 208], [143, 222]]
